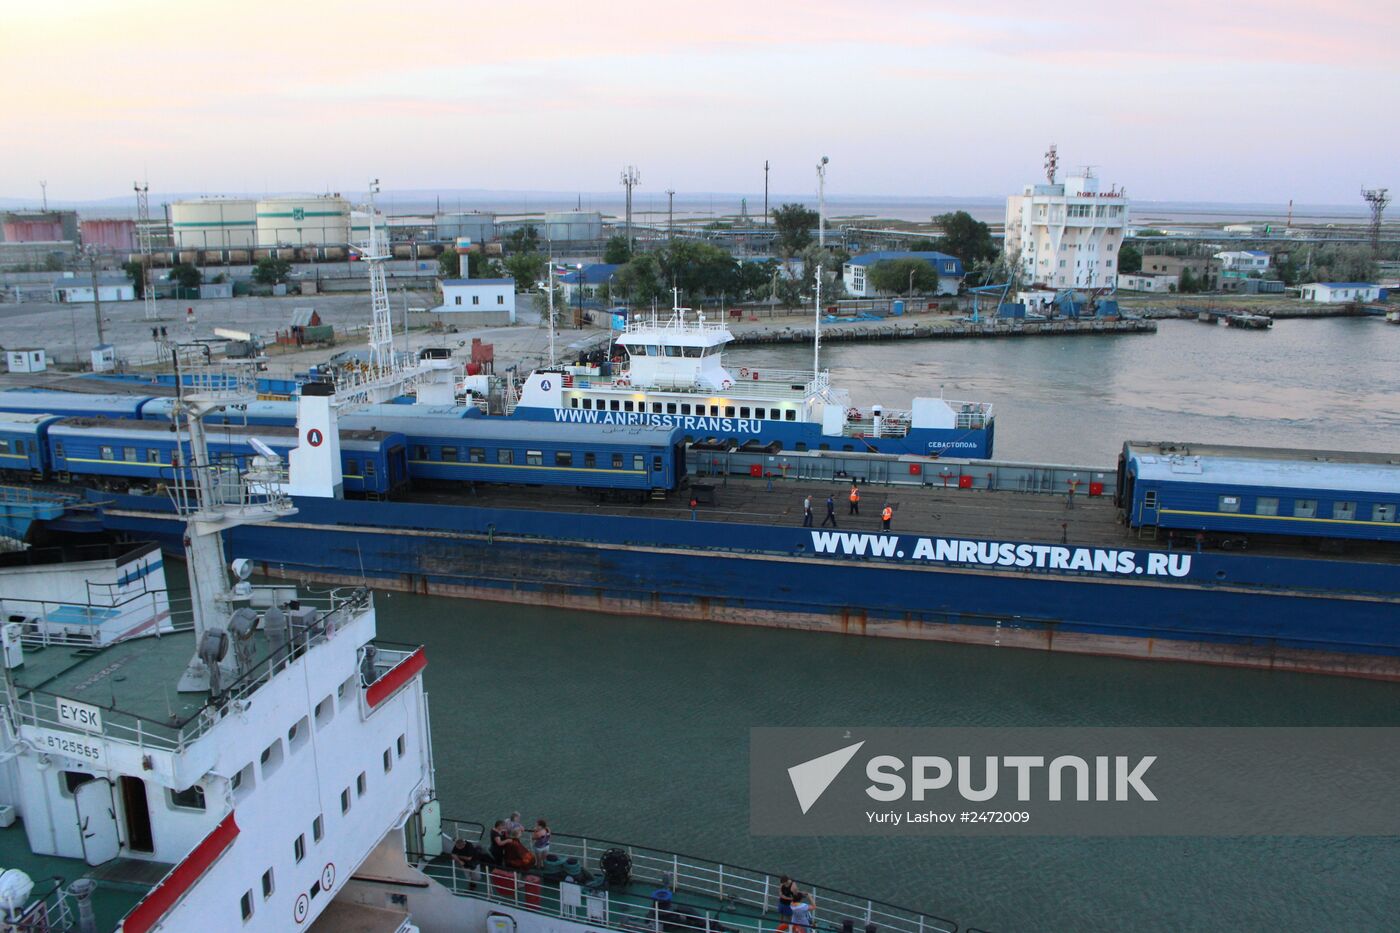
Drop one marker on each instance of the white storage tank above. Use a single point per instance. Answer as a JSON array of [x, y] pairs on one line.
[[572, 226], [476, 226], [214, 223], [303, 221]]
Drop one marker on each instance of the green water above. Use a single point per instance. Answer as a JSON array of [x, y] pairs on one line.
[[637, 729]]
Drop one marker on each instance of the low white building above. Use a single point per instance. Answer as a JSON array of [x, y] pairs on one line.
[[1340, 292], [855, 272], [1243, 260], [79, 289], [27, 360], [487, 301], [1148, 282]]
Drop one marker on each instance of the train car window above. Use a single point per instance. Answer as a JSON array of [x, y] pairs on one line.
[[352, 467], [628, 406], [369, 467], [1383, 512], [108, 453], [590, 460], [729, 411], [476, 454], [1149, 499], [505, 455], [656, 408], [1344, 510], [588, 404], [656, 464], [1228, 504], [534, 458], [639, 462], [790, 415], [685, 408], [1304, 508], [152, 455], [744, 412], [449, 455], [420, 452], [58, 448], [4, 446], [613, 404], [564, 458], [1266, 505], [129, 454], [617, 461], [670, 408]]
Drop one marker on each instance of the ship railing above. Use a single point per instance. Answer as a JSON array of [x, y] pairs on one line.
[[769, 384], [38, 706], [705, 895], [52, 910]]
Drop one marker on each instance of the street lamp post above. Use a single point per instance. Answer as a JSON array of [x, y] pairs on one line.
[[911, 283], [821, 202]]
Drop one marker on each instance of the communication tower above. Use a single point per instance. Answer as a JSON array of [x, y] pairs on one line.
[[1376, 199], [630, 179], [143, 242], [1052, 164]]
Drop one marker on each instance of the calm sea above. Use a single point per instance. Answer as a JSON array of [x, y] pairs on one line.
[[636, 729]]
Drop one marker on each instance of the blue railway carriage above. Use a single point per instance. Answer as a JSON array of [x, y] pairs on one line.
[[24, 445], [72, 404], [119, 454], [1231, 493], [609, 460]]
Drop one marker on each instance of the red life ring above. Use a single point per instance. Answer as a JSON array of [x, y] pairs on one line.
[[621, 381], [853, 414], [725, 384], [744, 373]]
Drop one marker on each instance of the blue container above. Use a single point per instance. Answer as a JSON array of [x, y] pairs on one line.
[[898, 308]]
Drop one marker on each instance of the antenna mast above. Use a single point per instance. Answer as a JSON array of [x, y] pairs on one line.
[[630, 179], [143, 241], [1052, 163], [1377, 199], [381, 325]]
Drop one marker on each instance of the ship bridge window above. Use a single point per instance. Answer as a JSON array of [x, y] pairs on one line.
[[1304, 508], [685, 408], [714, 411], [613, 404], [1266, 505], [573, 402], [1345, 511], [656, 408], [653, 350], [693, 352], [729, 411], [628, 406], [670, 408], [744, 412], [1383, 512], [673, 351], [1229, 504], [790, 415], [189, 799]]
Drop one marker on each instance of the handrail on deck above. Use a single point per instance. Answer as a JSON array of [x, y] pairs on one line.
[[746, 897]]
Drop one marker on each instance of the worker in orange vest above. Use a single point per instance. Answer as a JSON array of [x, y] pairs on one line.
[[885, 517], [855, 500]]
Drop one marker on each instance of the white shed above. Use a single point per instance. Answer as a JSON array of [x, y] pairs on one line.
[[27, 360], [1340, 292]]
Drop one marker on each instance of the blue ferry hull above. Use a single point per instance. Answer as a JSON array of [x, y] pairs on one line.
[[969, 443], [1279, 613]]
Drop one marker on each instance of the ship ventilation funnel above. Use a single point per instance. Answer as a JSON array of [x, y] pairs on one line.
[[81, 891]]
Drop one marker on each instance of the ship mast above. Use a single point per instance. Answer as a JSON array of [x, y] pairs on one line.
[[213, 498], [817, 330]]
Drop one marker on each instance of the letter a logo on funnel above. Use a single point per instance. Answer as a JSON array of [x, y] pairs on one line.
[[811, 778]]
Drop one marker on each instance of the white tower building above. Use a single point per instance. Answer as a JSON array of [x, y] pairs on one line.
[[1066, 235]]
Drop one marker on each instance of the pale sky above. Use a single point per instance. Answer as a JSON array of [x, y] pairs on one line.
[[1213, 100]]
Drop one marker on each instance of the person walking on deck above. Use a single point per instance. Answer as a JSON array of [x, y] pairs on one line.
[[830, 512], [855, 499], [885, 515], [807, 512]]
